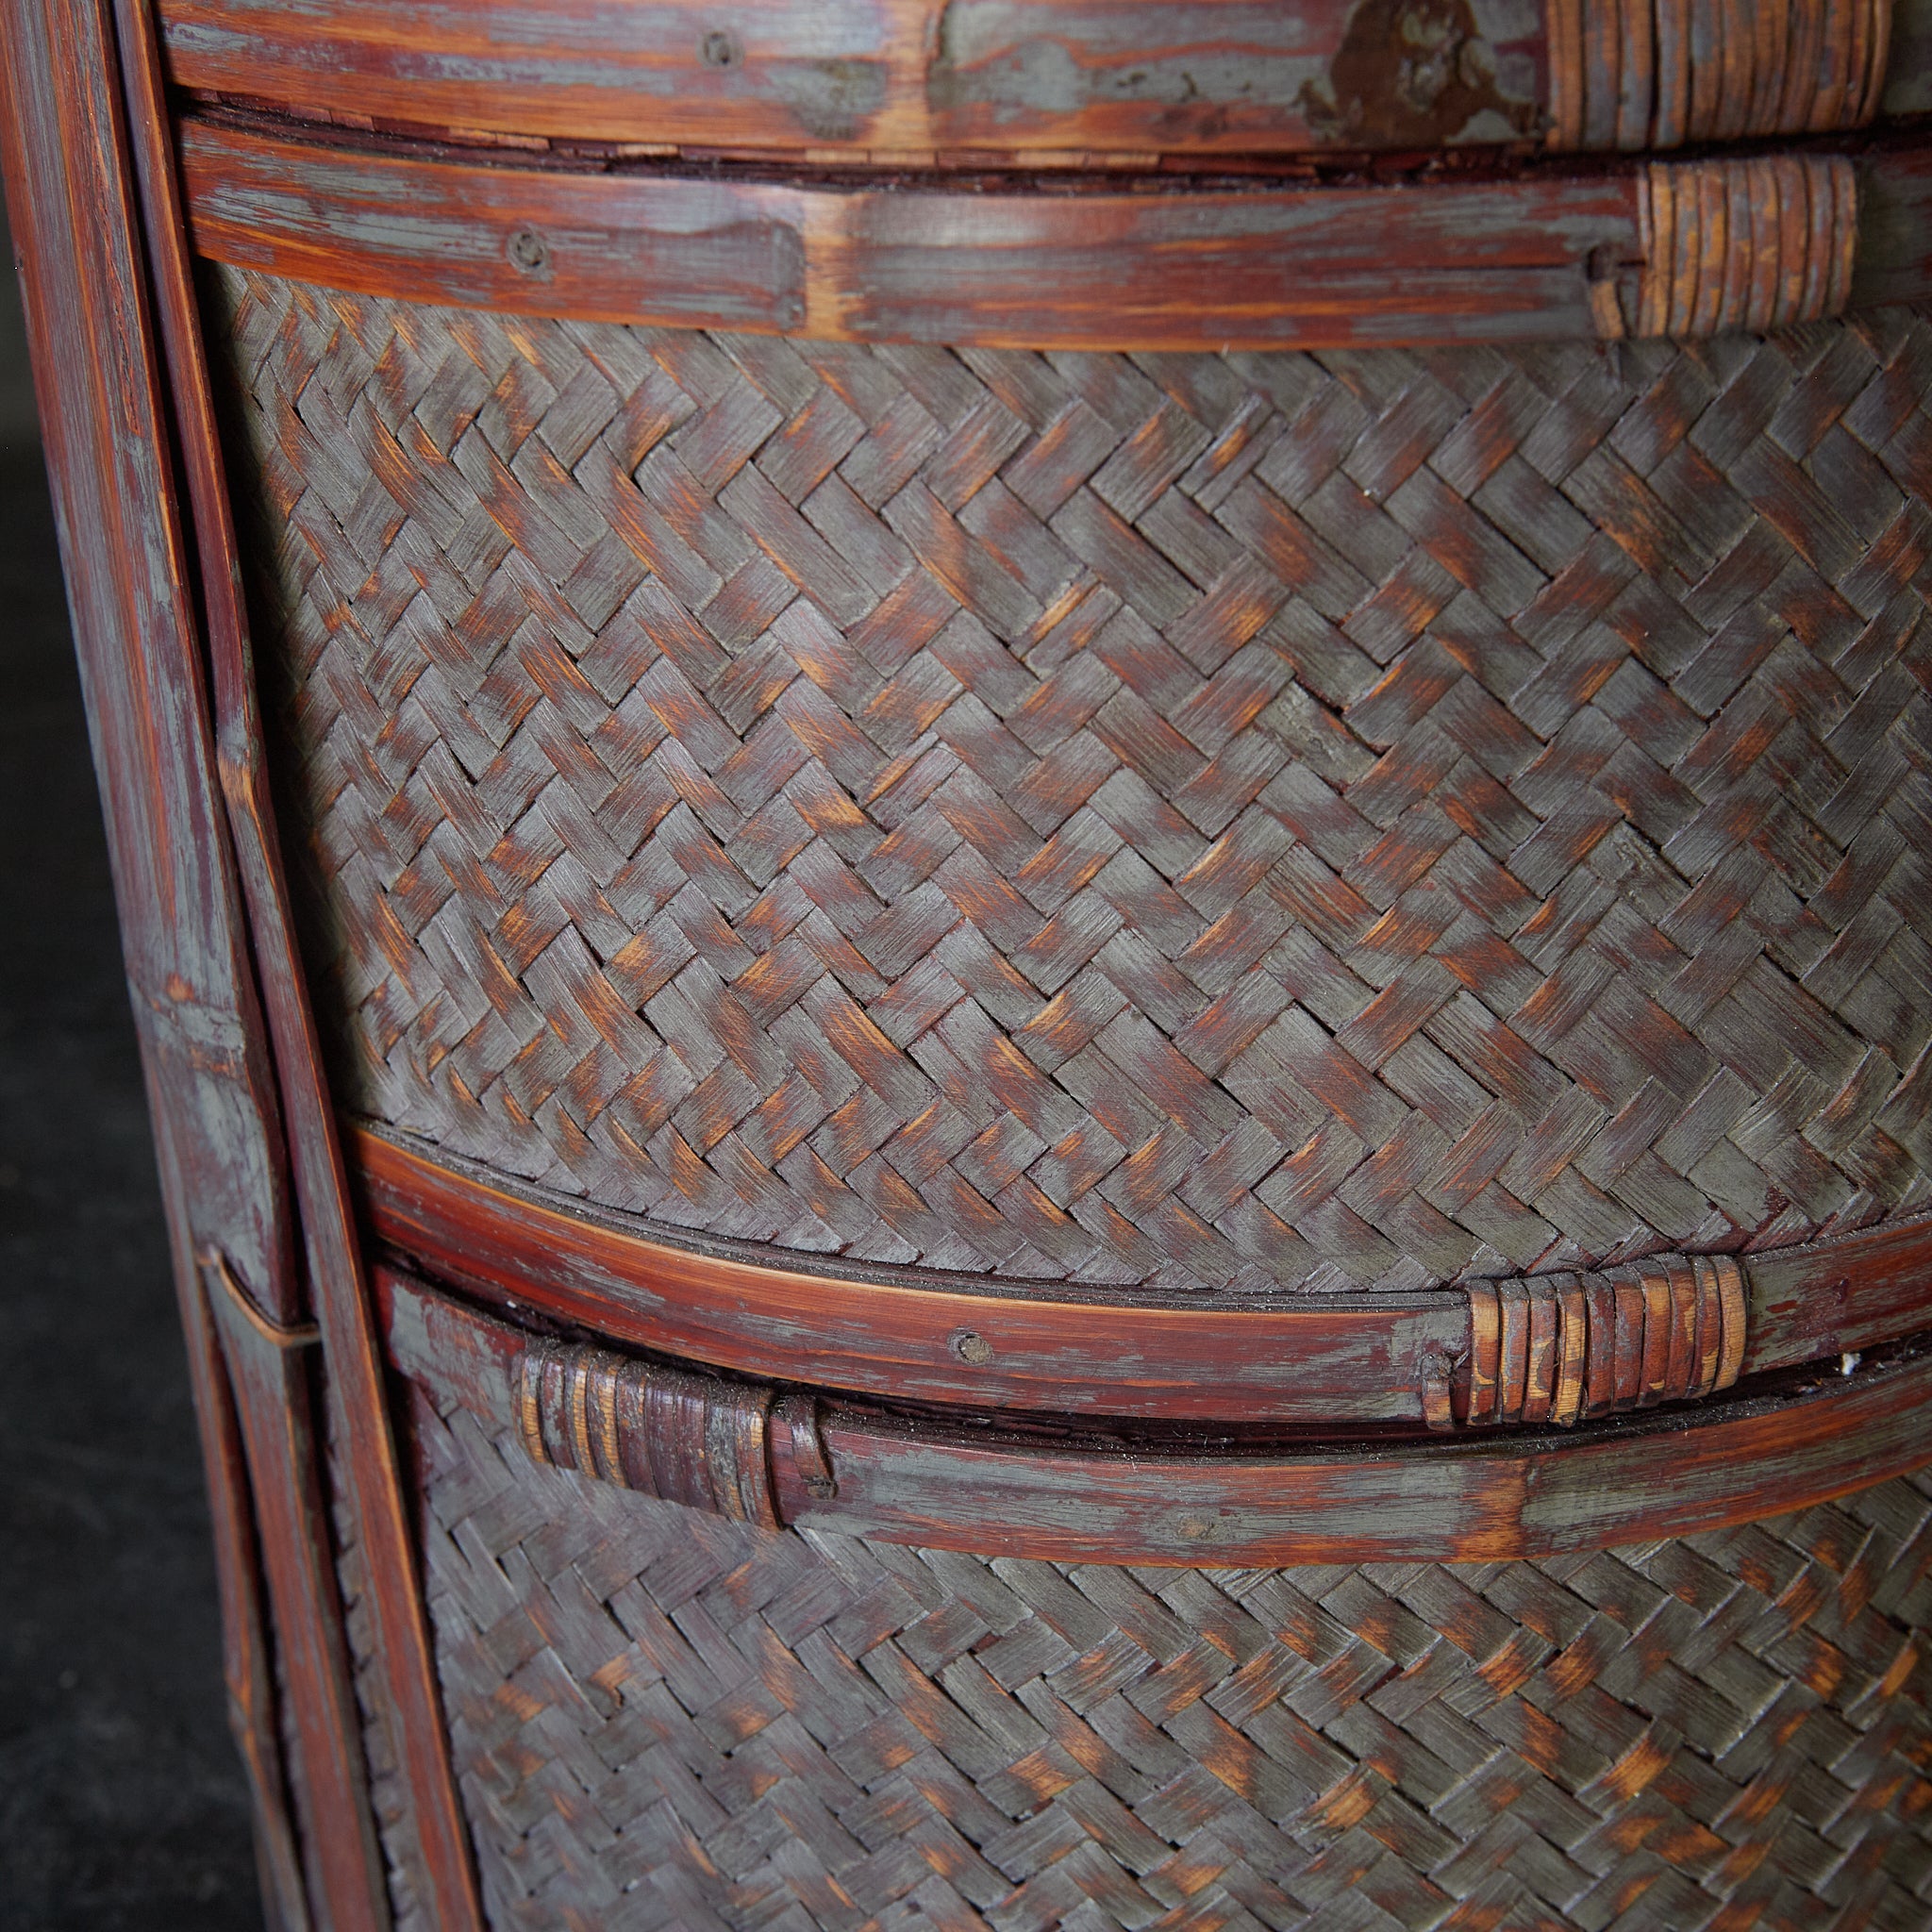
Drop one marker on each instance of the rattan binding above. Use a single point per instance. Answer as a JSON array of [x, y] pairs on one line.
[[1661, 73], [1562, 1348], [1176, 820], [666, 1432], [1755, 244]]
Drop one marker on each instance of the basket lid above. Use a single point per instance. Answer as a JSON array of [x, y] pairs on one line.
[[1063, 83]]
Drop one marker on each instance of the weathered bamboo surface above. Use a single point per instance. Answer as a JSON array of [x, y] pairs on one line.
[[76, 221], [1062, 1491], [862, 732], [1691, 247], [1070, 82], [1109, 266]]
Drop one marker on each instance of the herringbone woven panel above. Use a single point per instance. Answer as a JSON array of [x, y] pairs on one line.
[[664, 1720], [1233, 822]]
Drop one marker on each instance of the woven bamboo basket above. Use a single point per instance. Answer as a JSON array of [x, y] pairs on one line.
[[1032, 909], [995, 883]]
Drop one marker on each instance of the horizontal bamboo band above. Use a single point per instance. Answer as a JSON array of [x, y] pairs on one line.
[[1539, 256], [1555, 1349], [1347, 1361], [949, 82], [1473, 1498], [1661, 73], [1338, 1362]]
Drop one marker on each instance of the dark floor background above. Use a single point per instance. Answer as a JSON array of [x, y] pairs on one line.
[[122, 1801]]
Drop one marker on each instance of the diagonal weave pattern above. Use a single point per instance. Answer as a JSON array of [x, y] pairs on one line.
[[1230, 822], [664, 1720]]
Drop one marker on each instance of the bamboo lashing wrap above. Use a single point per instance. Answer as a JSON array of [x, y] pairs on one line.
[[1639, 74], [1758, 245], [684, 1438], [1563, 1348]]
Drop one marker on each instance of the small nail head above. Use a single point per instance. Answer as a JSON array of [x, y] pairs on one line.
[[973, 1348], [529, 254]]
